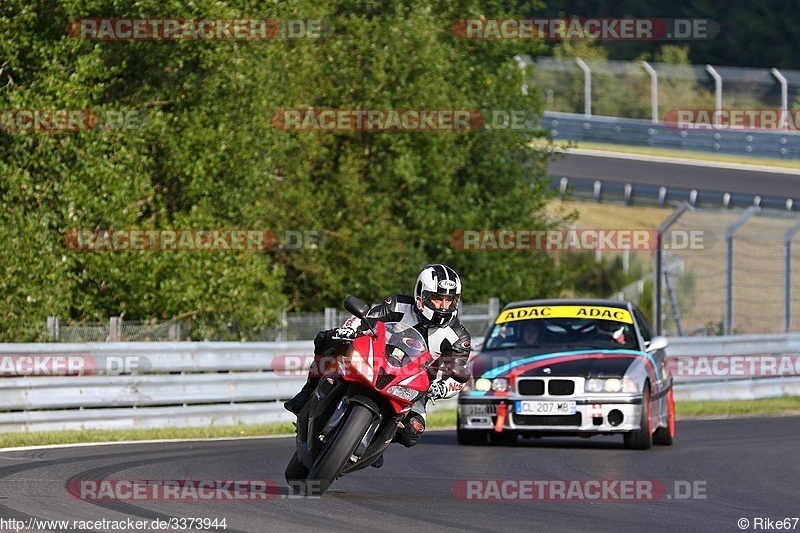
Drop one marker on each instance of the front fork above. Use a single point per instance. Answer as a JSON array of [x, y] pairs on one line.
[[323, 414]]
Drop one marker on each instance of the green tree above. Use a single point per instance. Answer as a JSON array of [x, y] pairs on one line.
[[208, 156]]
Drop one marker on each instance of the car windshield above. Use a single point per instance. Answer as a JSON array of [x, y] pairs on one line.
[[570, 327], [403, 344]]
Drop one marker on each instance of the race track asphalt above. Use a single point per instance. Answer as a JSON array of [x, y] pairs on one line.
[[741, 468]]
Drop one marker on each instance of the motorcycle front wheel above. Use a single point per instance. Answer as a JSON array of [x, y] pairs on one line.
[[332, 460]]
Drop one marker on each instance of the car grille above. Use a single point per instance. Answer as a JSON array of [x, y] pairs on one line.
[[531, 387], [561, 387], [555, 387], [547, 420]]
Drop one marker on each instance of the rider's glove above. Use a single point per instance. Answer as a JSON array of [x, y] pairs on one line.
[[437, 390], [344, 333]]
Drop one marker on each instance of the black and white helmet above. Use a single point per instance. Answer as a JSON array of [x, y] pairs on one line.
[[437, 282]]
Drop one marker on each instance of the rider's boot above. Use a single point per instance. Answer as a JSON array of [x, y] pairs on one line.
[[296, 404]]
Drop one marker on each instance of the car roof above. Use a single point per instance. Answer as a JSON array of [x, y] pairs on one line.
[[620, 304]]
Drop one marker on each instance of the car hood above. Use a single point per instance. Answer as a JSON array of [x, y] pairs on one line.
[[573, 363]]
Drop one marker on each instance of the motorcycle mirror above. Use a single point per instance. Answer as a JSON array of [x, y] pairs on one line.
[[359, 309], [356, 306]]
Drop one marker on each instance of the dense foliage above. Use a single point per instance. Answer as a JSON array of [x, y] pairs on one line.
[[208, 156]]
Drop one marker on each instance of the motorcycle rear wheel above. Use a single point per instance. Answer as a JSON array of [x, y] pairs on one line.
[[332, 460]]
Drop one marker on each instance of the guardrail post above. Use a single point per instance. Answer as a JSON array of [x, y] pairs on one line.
[[784, 97], [658, 318], [787, 276], [587, 87], [729, 233], [653, 91], [717, 92]]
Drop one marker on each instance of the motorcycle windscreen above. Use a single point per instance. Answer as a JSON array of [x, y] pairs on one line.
[[404, 344]]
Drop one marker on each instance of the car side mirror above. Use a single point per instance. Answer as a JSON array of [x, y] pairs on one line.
[[656, 343]]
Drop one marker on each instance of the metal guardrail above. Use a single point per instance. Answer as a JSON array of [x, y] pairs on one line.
[[638, 132], [576, 127], [183, 384], [602, 191]]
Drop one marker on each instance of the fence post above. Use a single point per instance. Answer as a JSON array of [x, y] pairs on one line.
[[787, 276], [114, 328], [658, 319], [53, 327], [522, 64], [330, 317], [784, 97], [587, 87], [175, 331], [494, 308], [717, 91], [729, 233], [653, 91]]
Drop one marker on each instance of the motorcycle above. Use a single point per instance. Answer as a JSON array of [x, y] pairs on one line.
[[357, 407]]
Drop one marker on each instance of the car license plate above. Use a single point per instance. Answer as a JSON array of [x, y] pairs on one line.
[[544, 408], [481, 409]]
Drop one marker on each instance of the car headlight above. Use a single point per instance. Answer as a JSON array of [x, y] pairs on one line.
[[610, 385], [500, 384], [483, 384], [403, 392]]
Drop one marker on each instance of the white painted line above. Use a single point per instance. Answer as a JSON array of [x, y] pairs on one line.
[[151, 441]]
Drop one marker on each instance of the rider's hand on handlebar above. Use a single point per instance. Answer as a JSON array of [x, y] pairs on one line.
[[344, 334]]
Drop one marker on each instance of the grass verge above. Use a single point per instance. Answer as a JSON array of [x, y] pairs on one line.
[[445, 418]]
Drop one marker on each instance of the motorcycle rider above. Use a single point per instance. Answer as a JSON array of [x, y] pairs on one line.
[[433, 312]]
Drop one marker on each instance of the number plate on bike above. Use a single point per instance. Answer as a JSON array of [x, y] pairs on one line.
[[544, 408]]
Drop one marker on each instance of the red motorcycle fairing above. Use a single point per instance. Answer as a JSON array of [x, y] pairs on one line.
[[355, 411], [368, 363]]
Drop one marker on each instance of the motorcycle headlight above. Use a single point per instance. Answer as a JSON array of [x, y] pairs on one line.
[[610, 385], [404, 392]]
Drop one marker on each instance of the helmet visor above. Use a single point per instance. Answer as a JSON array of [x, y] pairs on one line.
[[440, 302]]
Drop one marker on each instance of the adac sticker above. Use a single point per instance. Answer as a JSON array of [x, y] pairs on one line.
[[566, 311]]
